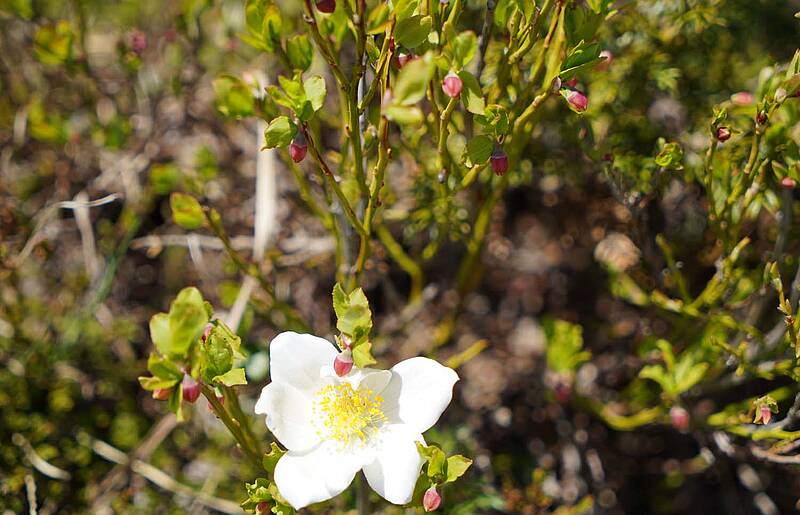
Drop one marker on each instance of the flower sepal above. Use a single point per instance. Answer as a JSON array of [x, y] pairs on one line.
[[261, 494]]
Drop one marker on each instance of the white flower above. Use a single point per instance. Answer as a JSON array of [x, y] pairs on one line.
[[334, 426]]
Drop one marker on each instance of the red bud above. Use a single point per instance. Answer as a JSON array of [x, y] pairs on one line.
[[162, 394], [431, 500], [788, 183], [577, 100], [403, 59], [190, 387], [298, 148], [262, 508], [572, 82], [743, 98], [343, 363], [138, 41], [499, 161], [606, 63], [762, 118], [452, 85], [326, 6], [723, 133], [679, 418]]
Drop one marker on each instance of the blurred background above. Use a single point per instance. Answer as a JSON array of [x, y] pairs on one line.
[[108, 107]]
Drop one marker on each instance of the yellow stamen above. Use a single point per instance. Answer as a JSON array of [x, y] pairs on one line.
[[347, 415]]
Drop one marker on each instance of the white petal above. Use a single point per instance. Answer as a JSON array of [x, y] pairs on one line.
[[370, 379], [316, 475], [418, 393], [396, 468], [296, 359], [288, 416]]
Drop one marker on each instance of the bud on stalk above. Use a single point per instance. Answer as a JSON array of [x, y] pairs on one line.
[[679, 418], [190, 387], [262, 508], [326, 6], [499, 161], [577, 100], [452, 85], [723, 134], [343, 363], [298, 148], [788, 183], [403, 59], [766, 414], [431, 500]]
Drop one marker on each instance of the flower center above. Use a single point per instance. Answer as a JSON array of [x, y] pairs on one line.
[[347, 415]]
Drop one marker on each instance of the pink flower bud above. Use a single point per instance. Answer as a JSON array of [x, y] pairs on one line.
[[572, 82], [298, 148], [190, 387], [343, 363], [162, 394], [577, 100], [451, 85], [606, 63], [766, 414], [138, 41], [679, 418], [499, 161], [403, 59], [262, 508], [431, 500], [743, 98], [723, 133], [762, 118], [326, 6], [788, 183]]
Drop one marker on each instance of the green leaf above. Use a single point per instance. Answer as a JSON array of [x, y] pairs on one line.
[[471, 94], [279, 133], [314, 88], [352, 311], [187, 319], [362, 354], [412, 32], [580, 58], [300, 51], [564, 346], [456, 467], [233, 97], [270, 459], [160, 332], [53, 43], [164, 178], [232, 377], [412, 81], [163, 368], [175, 403], [670, 157], [479, 149], [186, 211], [218, 351], [435, 458], [403, 115], [156, 383], [464, 46], [494, 120], [405, 8]]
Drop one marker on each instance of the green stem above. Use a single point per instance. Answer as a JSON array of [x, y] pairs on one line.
[[232, 425]]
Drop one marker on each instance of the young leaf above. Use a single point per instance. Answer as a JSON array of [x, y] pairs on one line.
[[234, 98], [412, 32], [186, 211], [187, 320], [456, 467], [232, 377], [300, 51], [471, 94], [464, 46], [270, 459], [412, 81], [479, 149], [314, 88], [279, 133]]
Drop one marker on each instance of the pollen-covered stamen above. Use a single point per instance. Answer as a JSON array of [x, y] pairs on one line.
[[347, 415]]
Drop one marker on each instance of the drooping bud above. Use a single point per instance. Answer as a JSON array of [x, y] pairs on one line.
[[431, 500], [679, 418], [343, 363], [762, 118], [723, 134], [190, 387], [577, 100], [788, 183], [499, 161], [298, 148], [743, 98], [162, 394], [572, 82], [262, 508], [326, 6], [452, 85], [766, 414]]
